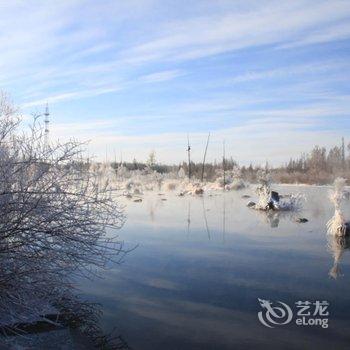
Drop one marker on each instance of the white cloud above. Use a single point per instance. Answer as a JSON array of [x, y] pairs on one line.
[[253, 140], [245, 144], [339, 31], [265, 23], [51, 53], [54, 41], [71, 96], [161, 76], [293, 70]]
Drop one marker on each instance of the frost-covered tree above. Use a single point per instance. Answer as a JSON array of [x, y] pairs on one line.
[[318, 161], [337, 225], [151, 161], [54, 213], [335, 159]]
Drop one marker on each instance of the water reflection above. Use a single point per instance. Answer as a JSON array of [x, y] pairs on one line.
[[205, 218], [180, 290], [188, 218], [37, 304], [38, 299], [274, 217], [337, 245], [224, 220]]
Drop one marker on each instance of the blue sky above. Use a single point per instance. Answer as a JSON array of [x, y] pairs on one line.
[[271, 78]]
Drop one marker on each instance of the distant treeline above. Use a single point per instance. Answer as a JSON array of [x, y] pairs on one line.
[[320, 166], [317, 167], [211, 170]]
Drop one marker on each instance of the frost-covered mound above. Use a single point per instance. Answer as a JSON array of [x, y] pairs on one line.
[[272, 200], [136, 182], [197, 187], [231, 184], [337, 225], [236, 184]]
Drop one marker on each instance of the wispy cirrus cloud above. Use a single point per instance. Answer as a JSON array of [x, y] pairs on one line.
[[88, 46], [75, 95], [148, 67], [261, 141], [325, 68], [264, 23], [161, 76]]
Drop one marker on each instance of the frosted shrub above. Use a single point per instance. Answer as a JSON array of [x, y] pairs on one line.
[[54, 213], [264, 195], [337, 225], [270, 200]]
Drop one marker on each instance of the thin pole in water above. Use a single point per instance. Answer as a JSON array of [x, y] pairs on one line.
[[343, 152], [224, 221], [205, 219], [223, 162], [188, 218], [205, 154]]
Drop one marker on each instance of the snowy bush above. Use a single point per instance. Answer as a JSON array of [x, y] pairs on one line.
[[53, 216]]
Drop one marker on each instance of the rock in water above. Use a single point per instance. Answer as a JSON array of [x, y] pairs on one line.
[[270, 206], [273, 202], [250, 204], [275, 196], [301, 220], [138, 200]]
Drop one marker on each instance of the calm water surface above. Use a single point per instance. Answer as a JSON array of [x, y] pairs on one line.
[[202, 263]]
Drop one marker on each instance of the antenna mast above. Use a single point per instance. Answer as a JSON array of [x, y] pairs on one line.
[[46, 121]]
